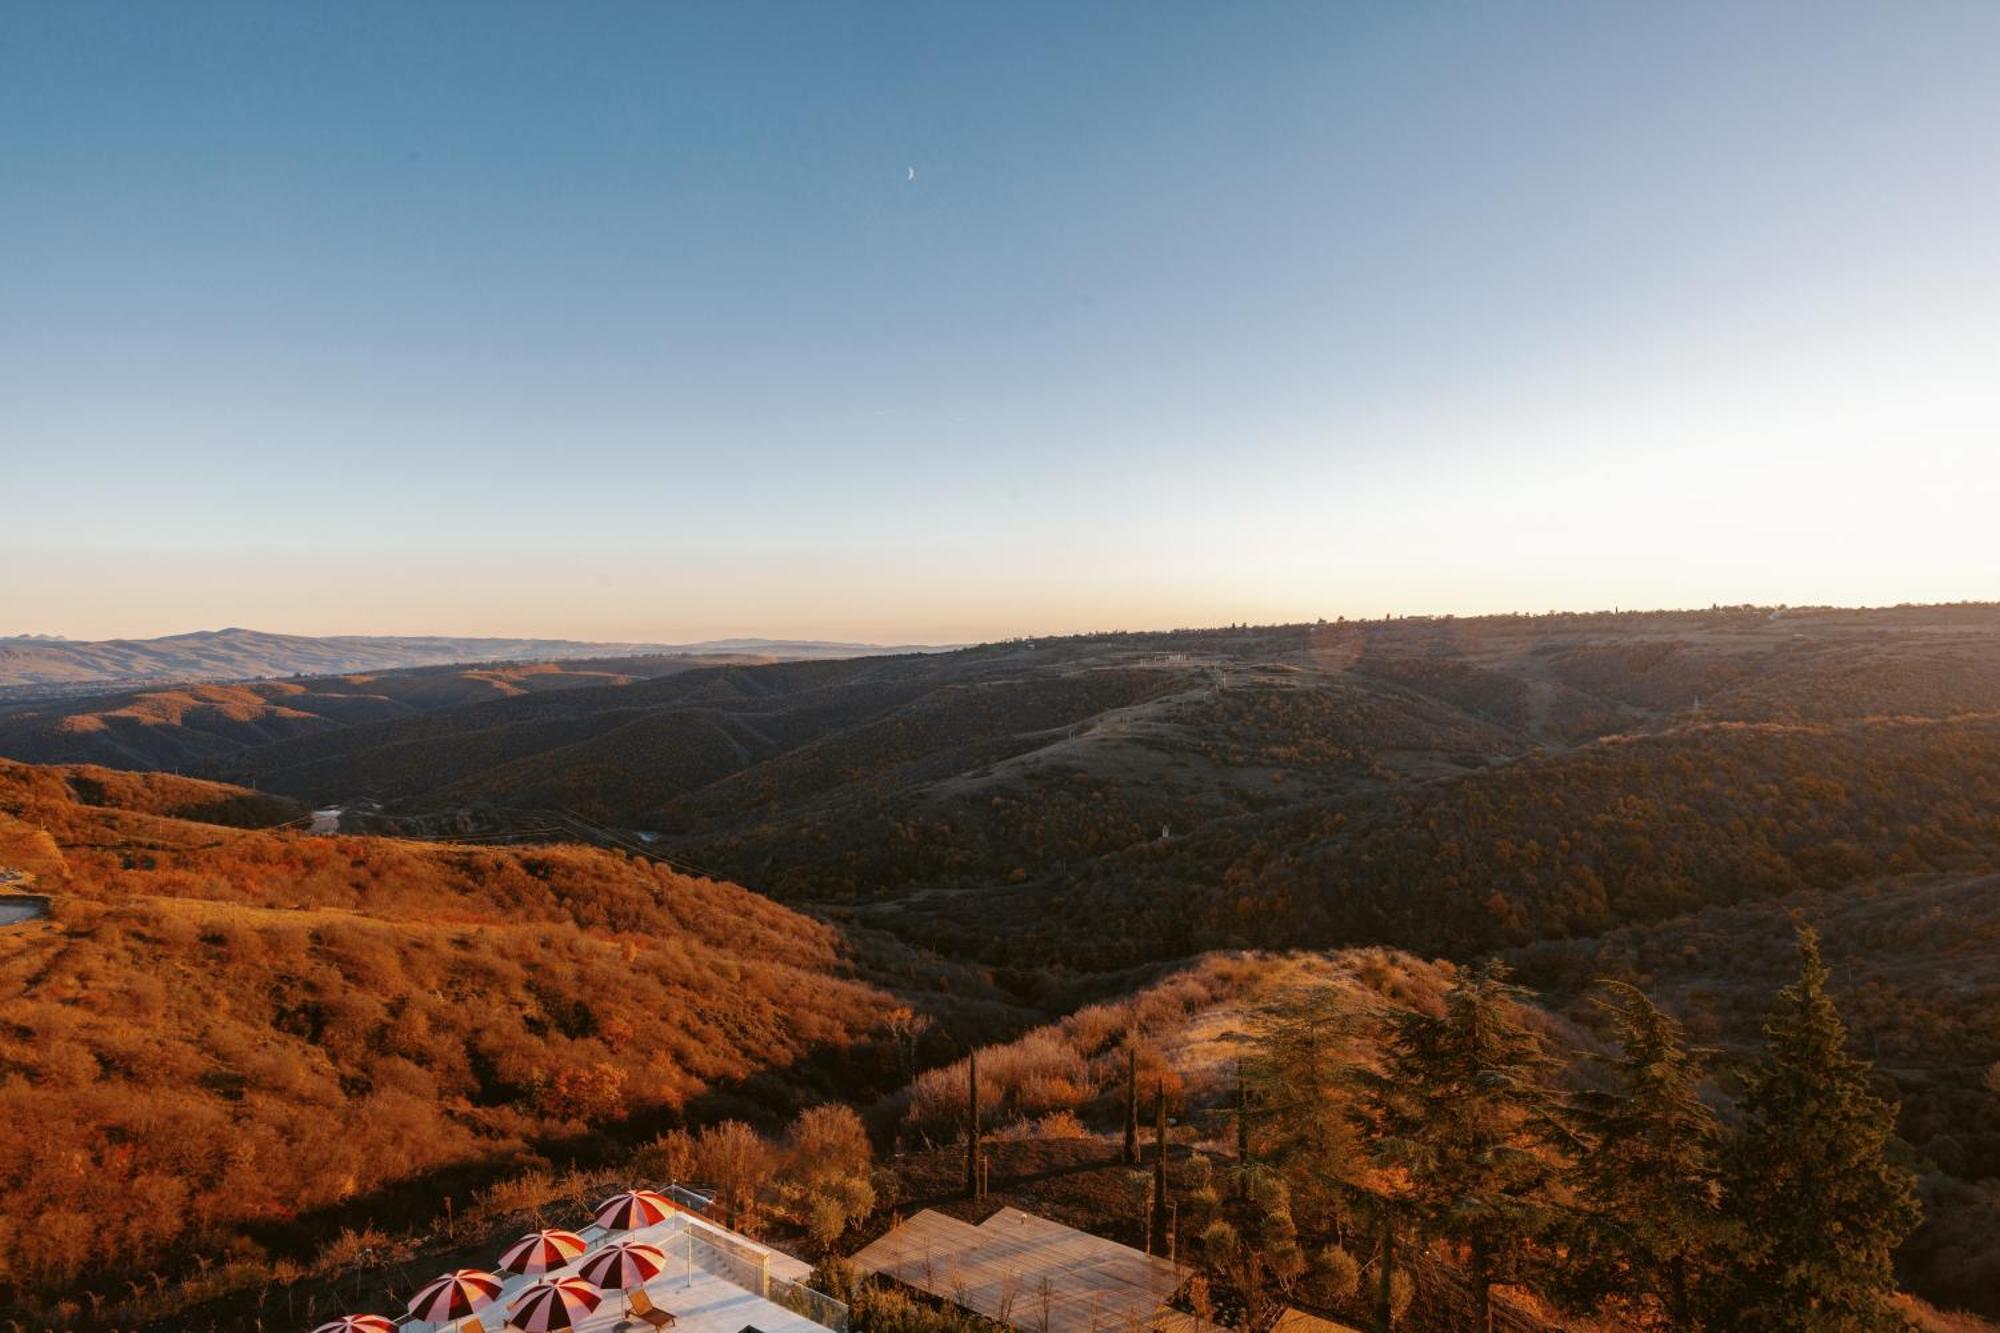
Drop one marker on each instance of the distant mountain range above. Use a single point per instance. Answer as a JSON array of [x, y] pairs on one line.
[[245, 654]]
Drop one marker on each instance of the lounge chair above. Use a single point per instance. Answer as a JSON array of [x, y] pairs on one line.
[[643, 1308]]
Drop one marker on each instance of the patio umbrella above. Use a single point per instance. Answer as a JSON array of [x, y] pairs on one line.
[[553, 1304], [622, 1266], [632, 1209], [455, 1295], [539, 1251], [358, 1323]]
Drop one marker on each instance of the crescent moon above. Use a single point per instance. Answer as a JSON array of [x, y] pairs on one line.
[[913, 173]]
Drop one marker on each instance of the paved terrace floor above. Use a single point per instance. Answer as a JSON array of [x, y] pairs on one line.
[[702, 1301]]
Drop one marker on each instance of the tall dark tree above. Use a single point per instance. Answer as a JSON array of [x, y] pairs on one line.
[[1132, 1100], [975, 1182], [1651, 1238], [1162, 1219], [1244, 1161], [1821, 1206], [1383, 1309], [1463, 1110], [1303, 1081]]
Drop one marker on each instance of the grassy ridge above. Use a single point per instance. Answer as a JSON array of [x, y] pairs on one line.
[[225, 1036]]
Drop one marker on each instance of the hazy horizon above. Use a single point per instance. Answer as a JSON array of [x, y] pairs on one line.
[[920, 324], [670, 641]]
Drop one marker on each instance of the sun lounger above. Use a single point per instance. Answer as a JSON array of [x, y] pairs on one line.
[[643, 1308]]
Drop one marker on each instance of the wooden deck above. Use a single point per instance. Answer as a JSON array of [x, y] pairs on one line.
[[1025, 1271]]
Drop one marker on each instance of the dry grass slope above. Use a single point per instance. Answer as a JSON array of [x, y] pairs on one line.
[[224, 1035]]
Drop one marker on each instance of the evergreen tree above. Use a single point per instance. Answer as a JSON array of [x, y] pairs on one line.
[[975, 1182], [1651, 1237], [1462, 1111], [1303, 1080], [1161, 1217], [1244, 1161], [1383, 1309], [1822, 1209], [1132, 1099]]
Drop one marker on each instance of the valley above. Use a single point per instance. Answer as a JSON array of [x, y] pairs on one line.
[[567, 905]]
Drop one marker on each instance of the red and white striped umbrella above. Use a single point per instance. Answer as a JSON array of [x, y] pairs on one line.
[[632, 1209], [455, 1295], [358, 1323], [623, 1266], [538, 1252], [555, 1304]]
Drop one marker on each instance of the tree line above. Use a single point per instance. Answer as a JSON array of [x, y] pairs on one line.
[[1626, 1197]]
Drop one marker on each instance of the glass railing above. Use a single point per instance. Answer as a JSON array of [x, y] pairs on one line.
[[737, 1261]]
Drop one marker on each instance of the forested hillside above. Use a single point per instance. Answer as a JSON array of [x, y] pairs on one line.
[[182, 727], [1916, 964], [1572, 844], [225, 1042], [959, 845]]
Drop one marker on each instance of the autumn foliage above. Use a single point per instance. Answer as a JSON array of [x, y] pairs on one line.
[[223, 1035]]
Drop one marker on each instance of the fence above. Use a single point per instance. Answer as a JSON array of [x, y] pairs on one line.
[[739, 1262], [692, 1200], [748, 1266], [738, 1269], [817, 1306]]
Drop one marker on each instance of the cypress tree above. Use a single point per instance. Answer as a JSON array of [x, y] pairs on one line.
[[1131, 1101], [1651, 1237], [974, 1185], [1302, 1080], [1243, 1160], [1462, 1110], [1821, 1207], [1160, 1215], [1385, 1275]]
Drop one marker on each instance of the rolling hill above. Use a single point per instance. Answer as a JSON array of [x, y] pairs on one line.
[[228, 1039], [179, 727], [988, 836], [1440, 784], [31, 664], [1916, 963]]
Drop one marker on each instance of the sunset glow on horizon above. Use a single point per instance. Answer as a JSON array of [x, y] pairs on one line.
[[938, 324]]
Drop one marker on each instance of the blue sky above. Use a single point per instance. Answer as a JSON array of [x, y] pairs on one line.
[[629, 322]]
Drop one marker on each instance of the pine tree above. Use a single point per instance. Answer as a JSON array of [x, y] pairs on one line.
[[1303, 1082], [1821, 1207], [1462, 1110], [1651, 1237]]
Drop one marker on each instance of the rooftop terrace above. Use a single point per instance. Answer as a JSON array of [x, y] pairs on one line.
[[716, 1281]]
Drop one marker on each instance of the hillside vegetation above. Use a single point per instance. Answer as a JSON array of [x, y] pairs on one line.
[[981, 839], [1572, 844], [28, 664], [1917, 973], [1018, 779], [226, 1040], [181, 727]]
